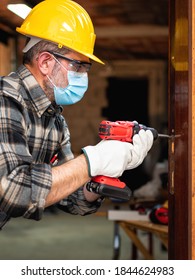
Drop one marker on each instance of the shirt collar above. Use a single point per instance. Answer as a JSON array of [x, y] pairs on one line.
[[39, 100]]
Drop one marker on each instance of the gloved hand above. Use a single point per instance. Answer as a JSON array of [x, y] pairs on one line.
[[142, 143], [111, 157]]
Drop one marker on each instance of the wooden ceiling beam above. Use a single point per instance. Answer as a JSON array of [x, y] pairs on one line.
[[137, 30], [7, 29], [8, 18]]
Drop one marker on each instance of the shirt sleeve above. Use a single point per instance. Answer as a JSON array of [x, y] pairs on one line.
[[76, 204], [24, 185]]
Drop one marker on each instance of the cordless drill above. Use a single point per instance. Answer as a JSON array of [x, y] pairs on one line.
[[122, 131]]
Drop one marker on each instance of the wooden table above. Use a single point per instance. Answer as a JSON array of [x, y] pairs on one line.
[[131, 223], [131, 227]]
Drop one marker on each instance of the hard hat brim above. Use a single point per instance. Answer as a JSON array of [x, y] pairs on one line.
[[34, 40], [93, 57]]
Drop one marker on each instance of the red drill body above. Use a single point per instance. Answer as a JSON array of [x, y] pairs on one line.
[[121, 131]]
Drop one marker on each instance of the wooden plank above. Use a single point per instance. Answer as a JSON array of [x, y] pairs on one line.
[[123, 215], [5, 55]]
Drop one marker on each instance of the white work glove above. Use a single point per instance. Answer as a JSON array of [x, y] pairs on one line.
[[111, 157], [142, 143]]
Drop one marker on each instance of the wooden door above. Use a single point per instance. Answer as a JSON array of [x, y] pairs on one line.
[[182, 127]]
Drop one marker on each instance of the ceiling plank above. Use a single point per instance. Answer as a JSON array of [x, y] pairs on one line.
[[132, 31]]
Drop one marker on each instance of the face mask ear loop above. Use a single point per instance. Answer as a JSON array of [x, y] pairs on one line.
[[51, 81], [60, 63], [61, 66]]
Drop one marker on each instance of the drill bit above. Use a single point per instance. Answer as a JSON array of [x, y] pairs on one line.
[[164, 136]]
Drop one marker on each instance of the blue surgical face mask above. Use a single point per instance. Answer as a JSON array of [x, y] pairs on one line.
[[74, 92]]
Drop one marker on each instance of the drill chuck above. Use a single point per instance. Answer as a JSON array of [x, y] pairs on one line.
[[141, 126]]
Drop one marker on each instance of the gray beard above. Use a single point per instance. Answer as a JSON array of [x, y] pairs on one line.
[[48, 89]]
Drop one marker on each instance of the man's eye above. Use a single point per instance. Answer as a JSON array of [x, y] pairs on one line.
[[71, 65], [74, 66]]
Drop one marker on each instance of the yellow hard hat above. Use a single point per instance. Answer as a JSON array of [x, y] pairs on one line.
[[63, 22]]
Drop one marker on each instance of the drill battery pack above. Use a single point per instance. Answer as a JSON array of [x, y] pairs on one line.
[[109, 187]]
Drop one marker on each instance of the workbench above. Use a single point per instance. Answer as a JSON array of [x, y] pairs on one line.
[[131, 227], [132, 222]]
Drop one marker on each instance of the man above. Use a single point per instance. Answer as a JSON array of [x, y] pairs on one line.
[[37, 167]]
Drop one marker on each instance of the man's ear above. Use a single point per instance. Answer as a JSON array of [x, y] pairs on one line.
[[44, 61]]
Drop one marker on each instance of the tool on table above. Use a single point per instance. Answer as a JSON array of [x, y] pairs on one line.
[[159, 214], [122, 131]]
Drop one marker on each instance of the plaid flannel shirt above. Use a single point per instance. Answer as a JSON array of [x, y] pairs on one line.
[[32, 131]]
